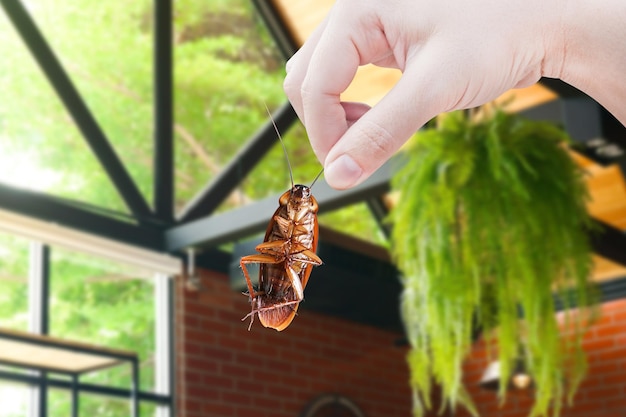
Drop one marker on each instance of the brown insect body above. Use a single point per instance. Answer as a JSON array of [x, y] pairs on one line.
[[286, 258]]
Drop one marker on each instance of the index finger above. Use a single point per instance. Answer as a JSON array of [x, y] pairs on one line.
[[331, 69]]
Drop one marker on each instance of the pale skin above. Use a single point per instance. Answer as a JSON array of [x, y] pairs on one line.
[[453, 54]]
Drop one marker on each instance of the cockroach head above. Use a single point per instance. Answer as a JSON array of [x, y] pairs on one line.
[[296, 196], [300, 191]]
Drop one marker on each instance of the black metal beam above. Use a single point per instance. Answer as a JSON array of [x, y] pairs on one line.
[[563, 89], [86, 388], [214, 193], [607, 291], [163, 112], [67, 92], [39, 288], [39, 306], [251, 219], [612, 290], [594, 131], [608, 242], [551, 111], [70, 214], [277, 27], [379, 210]]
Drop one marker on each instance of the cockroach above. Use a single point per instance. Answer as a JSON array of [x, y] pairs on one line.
[[286, 256]]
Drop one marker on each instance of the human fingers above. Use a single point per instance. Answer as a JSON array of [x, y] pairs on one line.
[[319, 99], [378, 133], [326, 66], [354, 111], [296, 69], [331, 68]]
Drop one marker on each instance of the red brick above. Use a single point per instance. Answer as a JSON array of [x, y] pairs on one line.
[[203, 392], [218, 353], [196, 336], [236, 398], [620, 339], [195, 309], [250, 358], [214, 409], [602, 392], [235, 371], [616, 407], [246, 387], [200, 364], [605, 330], [294, 357], [601, 368], [597, 343], [618, 378], [221, 382], [608, 356], [243, 373], [235, 343], [247, 411], [192, 405], [217, 327], [580, 407], [265, 401], [195, 349], [619, 316]]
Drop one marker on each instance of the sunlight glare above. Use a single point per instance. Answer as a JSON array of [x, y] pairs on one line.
[[13, 399], [23, 170]]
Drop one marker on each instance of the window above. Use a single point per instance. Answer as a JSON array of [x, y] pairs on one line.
[[92, 300]]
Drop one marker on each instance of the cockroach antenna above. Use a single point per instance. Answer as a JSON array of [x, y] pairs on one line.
[[282, 143], [316, 178]]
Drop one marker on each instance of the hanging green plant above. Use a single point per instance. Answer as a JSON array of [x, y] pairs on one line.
[[490, 223]]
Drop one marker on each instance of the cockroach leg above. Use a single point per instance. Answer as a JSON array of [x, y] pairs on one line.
[[275, 306], [255, 259]]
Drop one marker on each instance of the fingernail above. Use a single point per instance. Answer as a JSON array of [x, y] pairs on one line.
[[343, 172]]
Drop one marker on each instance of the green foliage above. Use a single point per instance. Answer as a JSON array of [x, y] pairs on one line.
[[490, 223], [13, 282]]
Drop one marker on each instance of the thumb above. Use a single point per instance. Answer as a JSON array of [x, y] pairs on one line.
[[382, 130]]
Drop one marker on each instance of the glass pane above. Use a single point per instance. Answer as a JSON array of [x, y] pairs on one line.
[[112, 73], [226, 67], [150, 410], [60, 404], [106, 304], [14, 399], [40, 146], [355, 220], [14, 256], [271, 175]]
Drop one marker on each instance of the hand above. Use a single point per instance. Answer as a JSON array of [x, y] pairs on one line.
[[453, 54]]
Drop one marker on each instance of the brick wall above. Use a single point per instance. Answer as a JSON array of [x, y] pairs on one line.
[[225, 370], [603, 392]]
